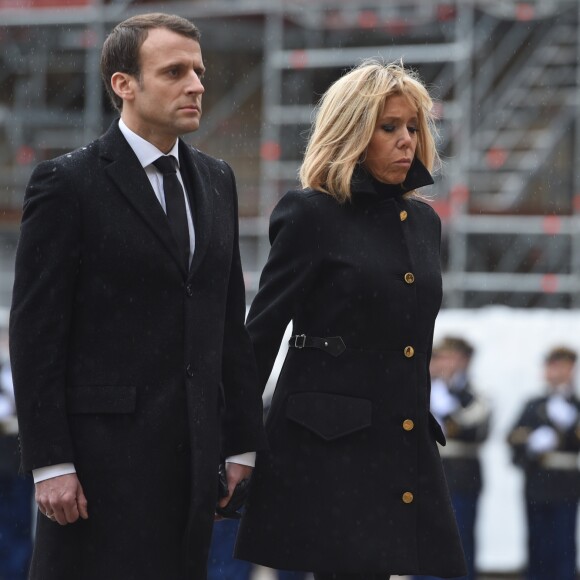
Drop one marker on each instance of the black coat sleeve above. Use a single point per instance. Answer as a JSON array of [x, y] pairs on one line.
[[295, 238], [47, 262], [243, 425], [518, 436]]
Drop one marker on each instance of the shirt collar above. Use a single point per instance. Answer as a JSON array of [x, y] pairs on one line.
[[146, 152]]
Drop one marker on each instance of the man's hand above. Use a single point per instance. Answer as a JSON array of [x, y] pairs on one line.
[[235, 474], [62, 499]]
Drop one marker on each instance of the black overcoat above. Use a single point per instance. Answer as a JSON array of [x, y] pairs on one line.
[[352, 481], [123, 360]]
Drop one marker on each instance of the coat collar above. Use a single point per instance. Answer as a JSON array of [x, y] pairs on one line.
[[418, 176], [200, 189], [126, 172]]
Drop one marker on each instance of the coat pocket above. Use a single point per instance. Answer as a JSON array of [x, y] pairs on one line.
[[327, 415], [101, 399], [436, 430]]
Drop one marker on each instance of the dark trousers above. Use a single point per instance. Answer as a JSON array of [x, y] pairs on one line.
[[465, 508], [15, 526], [340, 576], [223, 566], [290, 575], [551, 539]]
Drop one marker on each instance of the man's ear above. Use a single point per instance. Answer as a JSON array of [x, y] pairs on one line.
[[124, 85]]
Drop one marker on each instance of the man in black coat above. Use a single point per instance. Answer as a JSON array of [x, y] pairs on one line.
[[545, 442], [132, 368]]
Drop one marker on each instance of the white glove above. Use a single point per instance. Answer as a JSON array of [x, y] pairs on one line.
[[562, 413], [7, 404], [443, 403], [542, 440], [6, 407]]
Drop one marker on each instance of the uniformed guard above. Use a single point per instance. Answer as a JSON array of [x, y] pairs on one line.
[[16, 492], [465, 418], [546, 442]]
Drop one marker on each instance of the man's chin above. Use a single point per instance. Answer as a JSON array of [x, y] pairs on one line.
[[188, 127]]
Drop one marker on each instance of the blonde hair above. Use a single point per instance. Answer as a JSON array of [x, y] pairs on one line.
[[345, 120]]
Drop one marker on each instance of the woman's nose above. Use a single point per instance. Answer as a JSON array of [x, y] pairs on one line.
[[405, 139]]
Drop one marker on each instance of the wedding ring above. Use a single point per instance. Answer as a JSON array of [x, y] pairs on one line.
[[50, 516]]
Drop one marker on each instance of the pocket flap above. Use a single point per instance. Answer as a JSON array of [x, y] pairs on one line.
[[329, 416], [99, 399], [437, 431]]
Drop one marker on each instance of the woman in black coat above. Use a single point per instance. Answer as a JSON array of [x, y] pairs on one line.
[[352, 485]]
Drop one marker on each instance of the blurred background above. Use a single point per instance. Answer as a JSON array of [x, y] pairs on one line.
[[506, 78], [505, 74]]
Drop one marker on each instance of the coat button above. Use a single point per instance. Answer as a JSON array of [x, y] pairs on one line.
[[409, 278], [189, 370], [189, 290], [407, 497], [408, 425], [403, 215], [409, 352]]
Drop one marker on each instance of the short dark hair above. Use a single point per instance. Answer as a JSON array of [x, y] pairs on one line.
[[455, 344], [121, 48], [559, 353]]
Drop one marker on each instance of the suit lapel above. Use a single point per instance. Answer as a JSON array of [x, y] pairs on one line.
[[124, 169], [199, 185]]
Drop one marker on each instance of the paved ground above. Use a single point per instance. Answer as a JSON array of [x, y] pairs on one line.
[[266, 574]]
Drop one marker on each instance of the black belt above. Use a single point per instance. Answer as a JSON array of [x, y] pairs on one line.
[[333, 345]]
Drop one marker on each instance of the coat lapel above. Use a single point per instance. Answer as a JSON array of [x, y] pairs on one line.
[[124, 169], [199, 185]]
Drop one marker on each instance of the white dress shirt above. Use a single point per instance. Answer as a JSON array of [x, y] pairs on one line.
[[147, 153]]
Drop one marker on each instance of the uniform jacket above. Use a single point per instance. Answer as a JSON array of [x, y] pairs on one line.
[[127, 364], [9, 452], [542, 481], [353, 480], [465, 429]]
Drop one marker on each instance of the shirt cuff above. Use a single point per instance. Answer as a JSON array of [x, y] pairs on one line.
[[51, 471], [248, 459]]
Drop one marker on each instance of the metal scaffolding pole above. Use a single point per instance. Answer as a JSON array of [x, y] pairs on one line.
[[575, 258], [270, 131], [461, 147], [93, 113]]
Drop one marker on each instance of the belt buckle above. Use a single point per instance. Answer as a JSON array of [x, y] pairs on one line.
[[302, 337]]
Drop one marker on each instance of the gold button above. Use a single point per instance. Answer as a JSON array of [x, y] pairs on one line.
[[403, 215], [409, 351], [409, 278], [407, 497], [408, 424]]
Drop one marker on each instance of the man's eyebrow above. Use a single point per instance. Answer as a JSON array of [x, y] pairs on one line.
[[182, 64]]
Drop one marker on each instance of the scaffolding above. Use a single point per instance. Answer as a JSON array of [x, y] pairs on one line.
[[505, 75]]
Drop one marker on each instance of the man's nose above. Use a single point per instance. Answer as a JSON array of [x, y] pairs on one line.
[[195, 85]]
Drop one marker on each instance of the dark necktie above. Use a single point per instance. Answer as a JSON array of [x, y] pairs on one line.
[[174, 203]]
